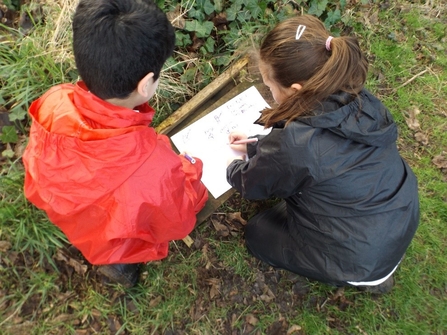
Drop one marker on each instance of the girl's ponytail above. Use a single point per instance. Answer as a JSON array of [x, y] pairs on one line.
[[321, 64]]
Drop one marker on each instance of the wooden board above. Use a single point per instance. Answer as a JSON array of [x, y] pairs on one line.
[[229, 84]]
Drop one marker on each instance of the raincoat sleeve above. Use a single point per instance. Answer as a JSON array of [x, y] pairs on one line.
[[195, 189], [271, 170]]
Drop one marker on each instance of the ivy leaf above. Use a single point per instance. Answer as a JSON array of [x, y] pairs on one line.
[[17, 114], [197, 14], [233, 11], [9, 134], [208, 7], [254, 9], [188, 75], [318, 7], [222, 60], [8, 153], [218, 5], [202, 29], [182, 39], [209, 45], [332, 17]]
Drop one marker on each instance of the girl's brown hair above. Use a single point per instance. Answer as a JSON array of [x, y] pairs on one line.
[[306, 61]]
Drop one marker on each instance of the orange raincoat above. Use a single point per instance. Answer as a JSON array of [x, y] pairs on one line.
[[111, 183]]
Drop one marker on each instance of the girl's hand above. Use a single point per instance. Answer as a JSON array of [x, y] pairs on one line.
[[236, 136]]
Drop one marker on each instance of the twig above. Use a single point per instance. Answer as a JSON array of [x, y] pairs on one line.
[[411, 79]]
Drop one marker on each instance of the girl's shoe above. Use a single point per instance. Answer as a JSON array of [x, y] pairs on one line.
[[383, 288]]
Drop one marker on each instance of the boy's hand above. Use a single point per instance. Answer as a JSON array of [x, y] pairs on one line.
[[188, 157]]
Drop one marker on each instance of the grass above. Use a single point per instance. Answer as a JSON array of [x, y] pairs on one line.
[[216, 287]]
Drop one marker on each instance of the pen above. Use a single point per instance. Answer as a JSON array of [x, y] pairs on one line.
[[191, 159], [248, 140]]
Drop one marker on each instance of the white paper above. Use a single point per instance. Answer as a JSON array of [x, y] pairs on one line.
[[207, 138]]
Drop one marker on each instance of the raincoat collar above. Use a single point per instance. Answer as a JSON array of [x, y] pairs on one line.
[[364, 119], [107, 114]]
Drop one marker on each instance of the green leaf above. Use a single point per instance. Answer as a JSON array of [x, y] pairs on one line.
[[208, 7], [209, 44], [188, 75], [218, 5], [202, 29], [222, 60], [182, 39], [160, 3], [9, 134], [17, 114], [254, 8], [12, 4], [318, 7], [198, 14], [8, 153], [232, 11], [332, 17]]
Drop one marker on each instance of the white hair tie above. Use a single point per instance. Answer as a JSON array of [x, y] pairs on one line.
[[299, 31]]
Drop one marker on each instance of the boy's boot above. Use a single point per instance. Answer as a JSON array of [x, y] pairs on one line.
[[124, 274]]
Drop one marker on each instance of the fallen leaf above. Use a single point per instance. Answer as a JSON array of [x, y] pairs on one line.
[[20, 146], [215, 286], [374, 18], [96, 313], [440, 161], [220, 20], [293, 329], [265, 297], [76, 265], [63, 318], [251, 319], [221, 229], [114, 324], [338, 294], [176, 18], [5, 246], [412, 120], [154, 302], [421, 138], [236, 217]]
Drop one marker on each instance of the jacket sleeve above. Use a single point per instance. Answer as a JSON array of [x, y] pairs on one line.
[[176, 194], [274, 168], [195, 189]]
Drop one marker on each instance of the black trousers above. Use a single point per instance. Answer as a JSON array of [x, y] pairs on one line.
[[267, 238]]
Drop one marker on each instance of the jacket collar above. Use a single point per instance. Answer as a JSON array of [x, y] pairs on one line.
[[103, 112]]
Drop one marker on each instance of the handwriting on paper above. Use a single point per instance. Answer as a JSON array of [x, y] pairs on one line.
[[207, 138]]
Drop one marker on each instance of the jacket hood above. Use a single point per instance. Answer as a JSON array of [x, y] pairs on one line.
[[364, 119]]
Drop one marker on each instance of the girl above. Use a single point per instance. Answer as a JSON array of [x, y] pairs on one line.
[[350, 202]]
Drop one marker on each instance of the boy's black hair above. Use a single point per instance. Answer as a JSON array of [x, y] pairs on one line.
[[118, 42]]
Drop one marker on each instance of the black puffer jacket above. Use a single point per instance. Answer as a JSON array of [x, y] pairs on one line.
[[352, 201]]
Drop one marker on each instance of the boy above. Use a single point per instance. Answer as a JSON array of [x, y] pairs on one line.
[[93, 164]]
